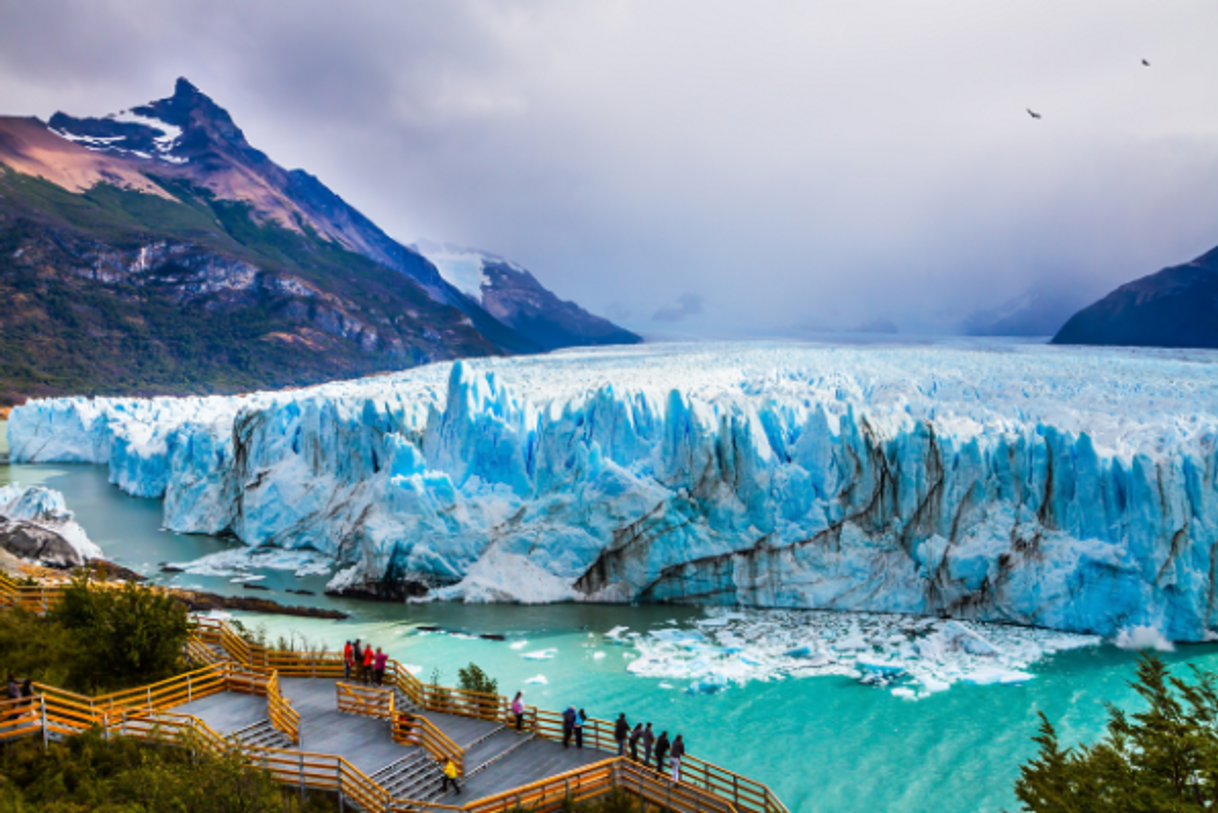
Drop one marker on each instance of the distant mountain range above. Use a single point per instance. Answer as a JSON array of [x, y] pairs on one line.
[[514, 296], [156, 251], [1040, 311], [1176, 307]]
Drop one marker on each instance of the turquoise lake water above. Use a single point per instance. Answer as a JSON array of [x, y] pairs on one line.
[[822, 743]]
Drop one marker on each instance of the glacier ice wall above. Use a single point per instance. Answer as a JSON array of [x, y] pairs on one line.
[[1067, 488]]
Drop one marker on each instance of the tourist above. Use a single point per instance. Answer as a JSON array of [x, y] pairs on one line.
[[356, 658], [649, 740], [27, 688], [518, 710], [634, 742], [14, 688], [661, 750], [348, 660], [581, 719], [378, 667], [568, 726], [366, 669], [450, 776], [674, 759], [620, 731], [406, 728]]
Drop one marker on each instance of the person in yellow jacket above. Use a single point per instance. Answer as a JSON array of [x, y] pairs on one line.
[[450, 775]]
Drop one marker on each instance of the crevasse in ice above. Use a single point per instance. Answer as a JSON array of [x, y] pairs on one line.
[[1067, 488]]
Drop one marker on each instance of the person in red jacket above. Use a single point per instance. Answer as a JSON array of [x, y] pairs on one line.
[[366, 672], [348, 660]]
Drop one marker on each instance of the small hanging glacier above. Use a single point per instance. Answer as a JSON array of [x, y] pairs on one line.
[[1059, 487]]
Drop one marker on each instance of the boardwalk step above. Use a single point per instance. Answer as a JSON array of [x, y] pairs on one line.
[[261, 735], [484, 737], [416, 777], [523, 741]]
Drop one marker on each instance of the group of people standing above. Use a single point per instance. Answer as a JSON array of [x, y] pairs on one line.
[[367, 666], [673, 750], [574, 722]]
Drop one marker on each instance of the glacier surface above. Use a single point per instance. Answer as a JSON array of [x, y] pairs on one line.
[[1068, 488]]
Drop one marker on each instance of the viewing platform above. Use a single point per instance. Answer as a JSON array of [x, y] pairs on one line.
[[378, 749]]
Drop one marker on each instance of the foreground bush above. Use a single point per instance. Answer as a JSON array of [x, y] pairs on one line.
[[123, 775], [97, 640], [1162, 759]]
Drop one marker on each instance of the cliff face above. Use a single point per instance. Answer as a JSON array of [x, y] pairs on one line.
[[994, 486], [1176, 307]]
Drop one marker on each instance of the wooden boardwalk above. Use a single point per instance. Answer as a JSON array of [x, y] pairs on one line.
[[281, 711], [518, 759]]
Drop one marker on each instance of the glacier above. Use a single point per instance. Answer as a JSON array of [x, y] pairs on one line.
[[1066, 488]]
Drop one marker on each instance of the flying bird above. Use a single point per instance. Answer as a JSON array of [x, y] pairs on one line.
[[1144, 62], [1033, 113]]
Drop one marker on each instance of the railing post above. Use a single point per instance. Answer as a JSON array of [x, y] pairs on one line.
[[338, 774], [46, 735], [189, 690], [149, 691], [302, 781]]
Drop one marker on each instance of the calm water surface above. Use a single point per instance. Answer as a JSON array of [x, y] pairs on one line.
[[823, 743]]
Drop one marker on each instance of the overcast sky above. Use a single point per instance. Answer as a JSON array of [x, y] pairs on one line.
[[702, 167]]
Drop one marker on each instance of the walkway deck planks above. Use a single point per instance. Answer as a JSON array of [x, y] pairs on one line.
[[366, 743]]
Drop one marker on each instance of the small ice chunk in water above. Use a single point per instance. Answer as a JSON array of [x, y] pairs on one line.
[[905, 693], [519, 644], [540, 655], [538, 679], [616, 632], [596, 656]]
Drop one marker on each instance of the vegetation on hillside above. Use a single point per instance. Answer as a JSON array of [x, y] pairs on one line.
[[124, 775], [79, 320], [97, 640], [1164, 758]]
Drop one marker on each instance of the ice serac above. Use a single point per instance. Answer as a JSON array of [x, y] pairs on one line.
[[35, 524], [1065, 488]]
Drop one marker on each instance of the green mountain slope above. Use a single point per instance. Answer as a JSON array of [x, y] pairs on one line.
[[116, 291]]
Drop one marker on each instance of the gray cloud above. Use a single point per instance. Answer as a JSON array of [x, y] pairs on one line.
[[829, 163], [687, 305]]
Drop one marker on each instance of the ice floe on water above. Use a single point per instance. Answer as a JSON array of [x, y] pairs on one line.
[[539, 679], [913, 657], [236, 563], [540, 655]]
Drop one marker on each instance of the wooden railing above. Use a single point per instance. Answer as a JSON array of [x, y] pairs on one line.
[[440, 745], [280, 712], [35, 598], [366, 700]]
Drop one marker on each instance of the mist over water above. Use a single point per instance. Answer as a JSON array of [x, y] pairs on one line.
[[824, 743]]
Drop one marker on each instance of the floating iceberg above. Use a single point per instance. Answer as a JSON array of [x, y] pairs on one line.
[[1066, 488]]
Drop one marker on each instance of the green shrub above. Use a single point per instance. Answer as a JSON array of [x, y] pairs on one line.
[[123, 775], [97, 640], [1163, 758], [473, 679]]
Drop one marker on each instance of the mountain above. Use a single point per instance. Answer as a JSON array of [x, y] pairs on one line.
[[1176, 307], [514, 296], [156, 251], [1039, 311]]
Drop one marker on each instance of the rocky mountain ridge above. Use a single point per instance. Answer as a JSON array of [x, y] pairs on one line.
[[1174, 307], [156, 251]]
